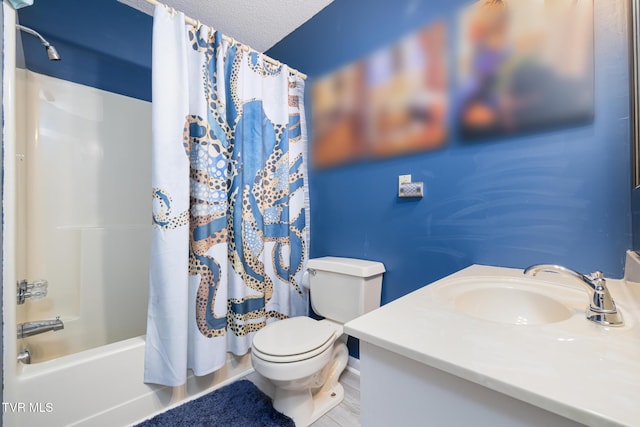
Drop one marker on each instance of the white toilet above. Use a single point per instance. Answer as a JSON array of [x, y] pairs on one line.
[[303, 357]]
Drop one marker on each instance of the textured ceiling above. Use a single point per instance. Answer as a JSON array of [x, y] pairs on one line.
[[259, 24]]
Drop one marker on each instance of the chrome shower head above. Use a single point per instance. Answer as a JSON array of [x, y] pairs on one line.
[[52, 53]]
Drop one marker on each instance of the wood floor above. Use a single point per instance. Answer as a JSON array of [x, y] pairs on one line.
[[346, 414]]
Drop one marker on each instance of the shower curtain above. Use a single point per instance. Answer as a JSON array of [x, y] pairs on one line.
[[230, 199]]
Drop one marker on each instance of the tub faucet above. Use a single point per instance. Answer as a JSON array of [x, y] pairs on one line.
[[24, 357], [34, 328], [602, 310]]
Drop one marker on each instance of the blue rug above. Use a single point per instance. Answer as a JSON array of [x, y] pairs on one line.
[[239, 404]]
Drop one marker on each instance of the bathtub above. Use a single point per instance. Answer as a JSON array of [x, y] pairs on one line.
[[102, 387]]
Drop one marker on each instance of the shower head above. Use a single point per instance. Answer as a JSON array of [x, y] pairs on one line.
[[52, 53]]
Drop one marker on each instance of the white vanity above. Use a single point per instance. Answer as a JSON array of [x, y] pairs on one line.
[[488, 346]]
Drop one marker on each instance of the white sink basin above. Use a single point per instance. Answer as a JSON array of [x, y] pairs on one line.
[[510, 305], [511, 301]]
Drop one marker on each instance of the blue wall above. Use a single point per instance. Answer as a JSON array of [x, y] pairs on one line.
[[559, 196], [103, 44]]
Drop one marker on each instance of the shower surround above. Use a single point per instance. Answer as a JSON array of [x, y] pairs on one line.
[[76, 204]]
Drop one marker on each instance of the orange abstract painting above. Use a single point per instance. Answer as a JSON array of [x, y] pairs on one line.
[[391, 103]]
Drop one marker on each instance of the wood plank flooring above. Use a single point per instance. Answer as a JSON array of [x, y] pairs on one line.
[[346, 414]]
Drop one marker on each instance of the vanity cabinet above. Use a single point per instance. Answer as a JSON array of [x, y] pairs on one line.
[[431, 358], [398, 391]]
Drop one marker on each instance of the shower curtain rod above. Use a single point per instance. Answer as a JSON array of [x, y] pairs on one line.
[[244, 47]]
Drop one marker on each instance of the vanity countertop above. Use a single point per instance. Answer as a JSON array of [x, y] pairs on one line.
[[574, 368]]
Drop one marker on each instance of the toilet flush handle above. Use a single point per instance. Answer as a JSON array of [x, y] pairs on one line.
[[305, 277]]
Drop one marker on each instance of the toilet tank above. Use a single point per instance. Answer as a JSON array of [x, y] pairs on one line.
[[344, 288]]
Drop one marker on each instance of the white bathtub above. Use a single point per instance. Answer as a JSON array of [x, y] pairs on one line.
[[102, 387]]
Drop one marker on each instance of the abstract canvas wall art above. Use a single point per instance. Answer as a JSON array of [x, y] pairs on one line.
[[393, 102], [523, 66]]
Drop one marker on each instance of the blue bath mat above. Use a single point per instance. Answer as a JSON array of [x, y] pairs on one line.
[[239, 404]]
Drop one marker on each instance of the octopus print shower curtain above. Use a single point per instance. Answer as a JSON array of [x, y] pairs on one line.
[[230, 199]]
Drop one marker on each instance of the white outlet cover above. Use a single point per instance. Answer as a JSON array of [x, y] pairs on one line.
[[403, 179]]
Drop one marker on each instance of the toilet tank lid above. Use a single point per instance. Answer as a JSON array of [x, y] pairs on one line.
[[348, 266]]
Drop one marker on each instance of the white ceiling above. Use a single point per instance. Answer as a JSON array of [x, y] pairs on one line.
[[257, 23]]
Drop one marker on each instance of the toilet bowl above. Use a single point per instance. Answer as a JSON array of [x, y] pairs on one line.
[[305, 373], [302, 357]]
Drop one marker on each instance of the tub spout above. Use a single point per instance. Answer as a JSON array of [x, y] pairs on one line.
[[41, 326]]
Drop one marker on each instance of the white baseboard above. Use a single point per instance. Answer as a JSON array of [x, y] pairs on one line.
[[353, 365]]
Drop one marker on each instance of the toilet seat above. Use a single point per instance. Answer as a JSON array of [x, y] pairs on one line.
[[293, 340]]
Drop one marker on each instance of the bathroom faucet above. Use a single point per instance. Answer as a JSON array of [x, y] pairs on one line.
[[602, 310], [34, 328]]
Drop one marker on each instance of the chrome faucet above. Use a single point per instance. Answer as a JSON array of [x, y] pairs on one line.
[[602, 310], [34, 328], [24, 357]]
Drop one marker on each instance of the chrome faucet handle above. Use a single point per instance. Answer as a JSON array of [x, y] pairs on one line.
[[35, 290], [597, 275], [602, 309]]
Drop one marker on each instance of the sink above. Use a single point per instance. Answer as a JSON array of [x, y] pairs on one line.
[[514, 301], [509, 305]]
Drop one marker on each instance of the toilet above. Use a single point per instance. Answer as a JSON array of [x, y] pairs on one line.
[[302, 357]]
